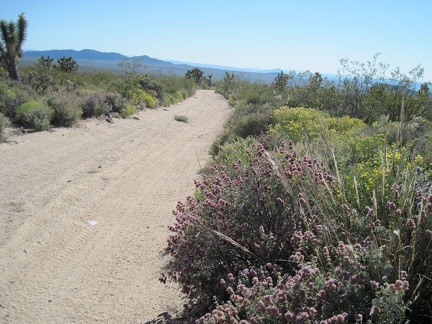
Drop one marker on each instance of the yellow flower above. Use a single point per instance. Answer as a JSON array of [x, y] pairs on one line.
[[418, 160]]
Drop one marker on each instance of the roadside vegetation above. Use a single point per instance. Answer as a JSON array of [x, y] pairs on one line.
[[58, 95], [55, 93], [317, 204], [181, 118]]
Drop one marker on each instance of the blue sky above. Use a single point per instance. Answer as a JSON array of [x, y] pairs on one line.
[[301, 35]]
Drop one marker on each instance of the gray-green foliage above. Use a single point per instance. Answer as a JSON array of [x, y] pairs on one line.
[[280, 83], [8, 103], [94, 105], [65, 111], [225, 87], [34, 115], [181, 118], [4, 122], [369, 90]]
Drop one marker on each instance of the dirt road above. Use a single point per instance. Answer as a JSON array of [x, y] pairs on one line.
[[84, 214]]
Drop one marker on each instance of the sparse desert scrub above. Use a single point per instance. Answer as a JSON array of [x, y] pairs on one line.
[[181, 118], [128, 111], [148, 100], [94, 105], [66, 110], [116, 102], [96, 93], [34, 115], [4, 122]]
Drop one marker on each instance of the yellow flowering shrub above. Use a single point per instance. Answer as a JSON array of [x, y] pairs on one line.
[[299, 123], [373, 176], [149, 100]]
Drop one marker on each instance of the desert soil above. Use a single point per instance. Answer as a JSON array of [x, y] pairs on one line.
[[84, 213]]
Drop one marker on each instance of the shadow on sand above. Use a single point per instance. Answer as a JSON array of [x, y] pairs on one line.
[[166, 318]]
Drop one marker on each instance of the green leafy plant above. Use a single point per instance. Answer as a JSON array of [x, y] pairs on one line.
[[280, 83], [94, 105], [150, 84], [181, 118], [148, 99], [9, 101], [35, 115], [65, 111], [4, 122], [128, 111], [116, 102]]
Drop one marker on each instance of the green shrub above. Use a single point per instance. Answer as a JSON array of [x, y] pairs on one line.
[[344, 125], [65, 111], [10, 99], [95, 105], [181, 118], [98, 104], [8, 104], [128, 111], [4, 122], [38, 119], [253, 98], [184, 94], [148, 99], [224, 137], [116, 102], [173, 97], [234, 150], [178, 97], [34, 115], [362, 148], [253, 124], [247, 120], [150, 84], [168, 100]]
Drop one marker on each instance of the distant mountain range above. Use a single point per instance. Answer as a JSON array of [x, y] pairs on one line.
[[94, 60]]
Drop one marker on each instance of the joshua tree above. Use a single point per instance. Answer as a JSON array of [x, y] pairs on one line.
[[12, 37], [67, 64], [45, 63], [196, 75]]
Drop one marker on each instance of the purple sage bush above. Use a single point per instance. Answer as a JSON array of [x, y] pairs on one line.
[[274, 239], [249, 215], [94, 105]]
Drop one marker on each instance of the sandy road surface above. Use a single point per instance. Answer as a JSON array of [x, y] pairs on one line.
[[55, 267]]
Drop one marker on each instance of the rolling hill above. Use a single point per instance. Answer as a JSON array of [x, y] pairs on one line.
[[94, 60]]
